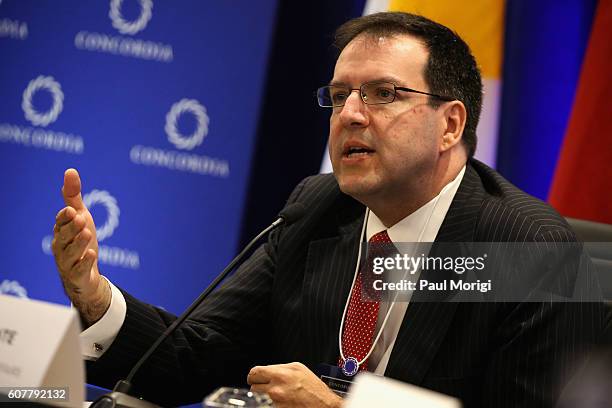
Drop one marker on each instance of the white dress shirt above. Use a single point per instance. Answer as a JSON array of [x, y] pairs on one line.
[[420, 226]]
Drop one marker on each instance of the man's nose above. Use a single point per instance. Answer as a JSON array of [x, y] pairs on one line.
[[354, 112]]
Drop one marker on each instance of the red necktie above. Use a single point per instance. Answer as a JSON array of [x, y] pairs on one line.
[[361, 316]]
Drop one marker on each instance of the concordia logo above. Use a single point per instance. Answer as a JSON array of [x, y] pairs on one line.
[[126, 27], [108, 255], [126, 46], [51, 85], [35, 136], [173, 160], [199, 111]]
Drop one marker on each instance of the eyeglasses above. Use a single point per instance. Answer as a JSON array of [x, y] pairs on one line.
[[372, 93]]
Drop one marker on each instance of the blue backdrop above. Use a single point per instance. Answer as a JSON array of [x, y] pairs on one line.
[[156, 104]]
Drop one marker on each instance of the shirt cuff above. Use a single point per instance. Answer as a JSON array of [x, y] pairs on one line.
[[97, 338]]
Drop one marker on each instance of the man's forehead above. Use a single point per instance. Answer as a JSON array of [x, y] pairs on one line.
[[389, 43], [397, 55]]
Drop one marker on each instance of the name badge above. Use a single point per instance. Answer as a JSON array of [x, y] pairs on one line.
[[333, 377]]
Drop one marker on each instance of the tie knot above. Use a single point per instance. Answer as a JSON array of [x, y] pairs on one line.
[[380, 245], [381, 238]]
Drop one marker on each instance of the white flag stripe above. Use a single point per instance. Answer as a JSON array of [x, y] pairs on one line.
[[375, 6], [487, 131]]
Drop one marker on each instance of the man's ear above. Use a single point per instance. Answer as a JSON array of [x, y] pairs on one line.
[[455, 116]]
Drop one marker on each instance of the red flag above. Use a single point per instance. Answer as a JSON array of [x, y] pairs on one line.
[[582, 185]]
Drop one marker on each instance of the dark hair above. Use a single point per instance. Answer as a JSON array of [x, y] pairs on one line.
[[451, 69]]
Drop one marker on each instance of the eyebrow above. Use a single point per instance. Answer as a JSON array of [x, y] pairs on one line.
[[377, 79]]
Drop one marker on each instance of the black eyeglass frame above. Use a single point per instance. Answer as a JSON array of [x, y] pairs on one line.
[[395, 89]]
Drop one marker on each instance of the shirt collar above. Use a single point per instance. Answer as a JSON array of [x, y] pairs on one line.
[[424, 223]]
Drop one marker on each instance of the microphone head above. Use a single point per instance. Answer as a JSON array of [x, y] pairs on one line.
[[292, 213]]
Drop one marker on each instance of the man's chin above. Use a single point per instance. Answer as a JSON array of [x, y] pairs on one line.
[[356, 188]]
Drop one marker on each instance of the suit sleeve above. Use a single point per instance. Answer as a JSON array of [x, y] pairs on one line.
[[226, 336]]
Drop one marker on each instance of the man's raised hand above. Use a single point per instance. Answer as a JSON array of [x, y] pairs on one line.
[[75, 247]]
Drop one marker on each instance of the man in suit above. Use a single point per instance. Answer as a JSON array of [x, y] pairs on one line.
[[405, 100]]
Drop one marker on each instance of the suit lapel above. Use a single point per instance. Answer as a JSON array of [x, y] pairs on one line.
[[425, 323], [462, 216], [330, 266]]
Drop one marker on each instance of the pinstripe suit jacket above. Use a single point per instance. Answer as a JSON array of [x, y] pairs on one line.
[[285, 304]]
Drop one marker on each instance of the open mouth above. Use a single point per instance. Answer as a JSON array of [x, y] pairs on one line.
[[357, 151]]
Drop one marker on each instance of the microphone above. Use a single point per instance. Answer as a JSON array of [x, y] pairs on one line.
[[120, 397], [289, 215]]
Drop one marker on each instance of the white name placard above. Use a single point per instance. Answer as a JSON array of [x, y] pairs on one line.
[[371, 390], [40, 350]]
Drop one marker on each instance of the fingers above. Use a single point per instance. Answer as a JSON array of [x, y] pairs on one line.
[[78, 279], [259, 375], [265, 374], [75, 250], [64, 216], [67, 225], [71, 191], [71, 238]]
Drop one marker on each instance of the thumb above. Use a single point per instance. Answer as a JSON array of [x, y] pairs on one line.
[[72, 190]]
